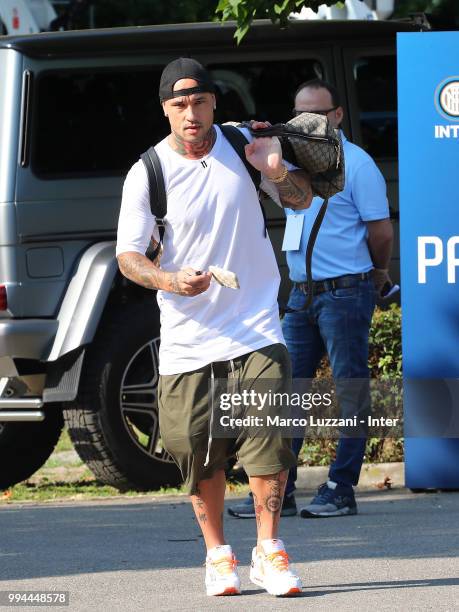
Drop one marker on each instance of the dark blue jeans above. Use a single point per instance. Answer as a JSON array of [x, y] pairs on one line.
[[337, 322]]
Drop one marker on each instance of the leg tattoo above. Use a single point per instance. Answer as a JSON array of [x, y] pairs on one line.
[[258, 509], [273, 501]]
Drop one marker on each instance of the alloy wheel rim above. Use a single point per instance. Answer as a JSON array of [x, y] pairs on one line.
[[139, 401]]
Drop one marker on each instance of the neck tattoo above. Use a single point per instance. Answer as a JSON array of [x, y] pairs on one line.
[[194, 150]]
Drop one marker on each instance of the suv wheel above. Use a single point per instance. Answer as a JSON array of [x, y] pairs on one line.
[[25, 447], [113, 423]]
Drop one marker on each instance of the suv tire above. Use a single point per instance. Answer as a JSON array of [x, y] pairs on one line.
[[113, 423], [25, 447]]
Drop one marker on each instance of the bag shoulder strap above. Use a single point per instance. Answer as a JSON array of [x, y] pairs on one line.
[[157, 192], [308, 260]]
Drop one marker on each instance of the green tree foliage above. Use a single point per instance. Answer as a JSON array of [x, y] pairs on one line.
[[113, 13], [444, 13], [245, 11]]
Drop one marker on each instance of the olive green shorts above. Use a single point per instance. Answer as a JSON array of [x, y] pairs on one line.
[[185, 413]]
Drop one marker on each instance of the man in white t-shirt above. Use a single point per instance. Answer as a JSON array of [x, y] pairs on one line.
[[208, 331]]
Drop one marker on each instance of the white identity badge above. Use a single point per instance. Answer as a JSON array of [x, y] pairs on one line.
[[293, 231]]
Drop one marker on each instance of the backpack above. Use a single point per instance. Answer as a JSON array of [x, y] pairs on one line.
[[157, 190], [324, 183]]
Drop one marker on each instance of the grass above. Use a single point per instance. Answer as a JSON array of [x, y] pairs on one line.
[[64, 477], [65, 443], [85, 489], [55, 462]]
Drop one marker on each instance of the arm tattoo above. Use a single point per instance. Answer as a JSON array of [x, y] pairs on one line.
[[295, 190], [202, 518], [174, 283], [140, 270]]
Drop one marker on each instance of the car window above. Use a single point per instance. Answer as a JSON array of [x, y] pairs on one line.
[[376, 88], [260, 90], [95, 122]]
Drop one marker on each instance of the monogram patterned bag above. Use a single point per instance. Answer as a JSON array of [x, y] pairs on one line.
[[310, 142]]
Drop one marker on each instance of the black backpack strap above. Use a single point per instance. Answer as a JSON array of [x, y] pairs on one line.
[[238, 141], [157, 193]]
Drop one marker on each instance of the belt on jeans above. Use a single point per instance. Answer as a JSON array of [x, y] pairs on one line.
[[340, 282]]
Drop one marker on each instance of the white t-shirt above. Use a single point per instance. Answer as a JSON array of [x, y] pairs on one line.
[[213, 218]]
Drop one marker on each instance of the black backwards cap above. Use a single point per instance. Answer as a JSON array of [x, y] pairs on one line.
[[184, 68]]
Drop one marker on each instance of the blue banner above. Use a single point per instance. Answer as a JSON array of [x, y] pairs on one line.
[[428, 119]]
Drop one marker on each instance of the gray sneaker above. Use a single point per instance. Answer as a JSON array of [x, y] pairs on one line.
[[246, 508], [332, 499]]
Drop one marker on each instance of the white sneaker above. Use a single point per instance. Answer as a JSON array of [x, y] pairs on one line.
[[221, 572], [271, 570]]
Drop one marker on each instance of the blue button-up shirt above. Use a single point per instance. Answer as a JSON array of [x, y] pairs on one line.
[[341, 245]]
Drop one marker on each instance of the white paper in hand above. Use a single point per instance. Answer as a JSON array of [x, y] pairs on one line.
[[225, 278]]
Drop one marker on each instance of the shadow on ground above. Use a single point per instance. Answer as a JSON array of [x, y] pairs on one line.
[[65, 539]]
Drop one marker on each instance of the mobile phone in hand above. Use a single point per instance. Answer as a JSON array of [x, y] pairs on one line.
[[388, 290]]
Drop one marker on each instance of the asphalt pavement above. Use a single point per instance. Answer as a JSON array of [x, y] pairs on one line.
[[401, 552]]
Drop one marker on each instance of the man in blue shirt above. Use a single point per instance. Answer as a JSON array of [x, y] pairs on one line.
[[349, 266]]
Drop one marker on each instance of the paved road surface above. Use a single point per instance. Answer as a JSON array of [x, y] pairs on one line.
[[400, 553]]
